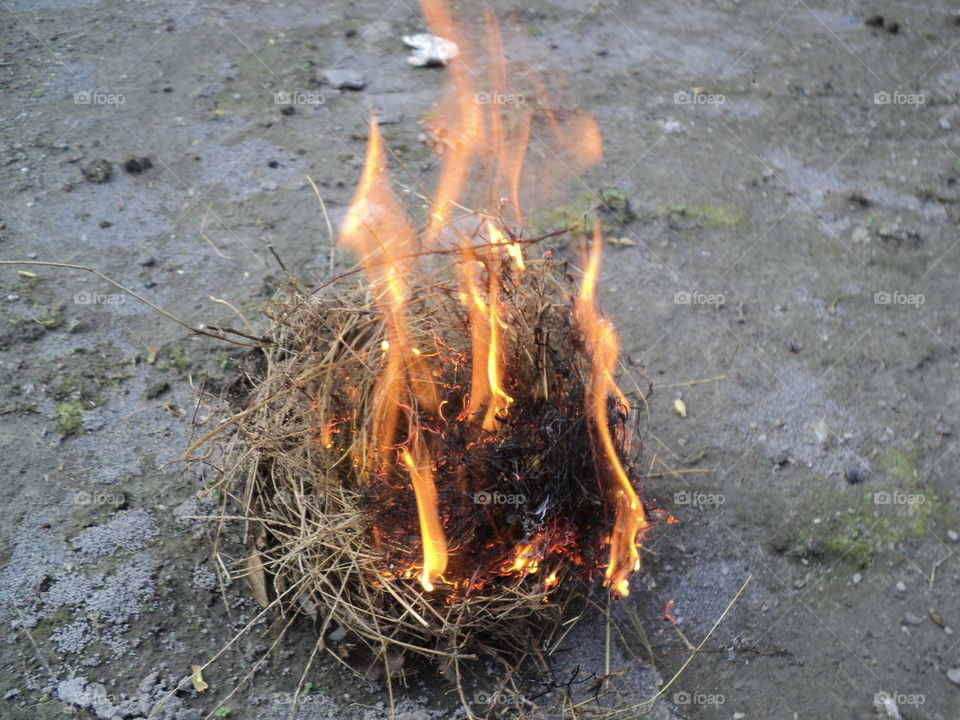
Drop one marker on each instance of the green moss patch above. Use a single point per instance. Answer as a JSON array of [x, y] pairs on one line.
[[859, 529]]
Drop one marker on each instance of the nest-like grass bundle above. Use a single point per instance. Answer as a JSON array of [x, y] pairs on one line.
[[334, 531]]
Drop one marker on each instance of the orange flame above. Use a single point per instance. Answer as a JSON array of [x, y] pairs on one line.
[[489, 138], [486, 326], [630, 519], [434, 544], [376, 228]]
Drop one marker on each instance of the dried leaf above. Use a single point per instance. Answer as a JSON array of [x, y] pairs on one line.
[[151, 355], [680, 407], [621, 241], [26, 274], [935, 616], [257, 579], [197, 678]]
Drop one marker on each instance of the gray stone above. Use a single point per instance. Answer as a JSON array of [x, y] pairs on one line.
[[343, 79]]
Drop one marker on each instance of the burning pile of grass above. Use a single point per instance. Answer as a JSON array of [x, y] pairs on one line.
[[436, 459], [427, 508]]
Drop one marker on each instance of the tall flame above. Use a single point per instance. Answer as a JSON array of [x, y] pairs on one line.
[[434, 544], [630, 519], [376, 228]]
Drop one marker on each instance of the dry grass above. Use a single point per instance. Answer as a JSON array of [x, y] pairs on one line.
[[333, 536]]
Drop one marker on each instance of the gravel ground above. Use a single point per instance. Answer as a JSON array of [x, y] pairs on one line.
[[788, 271]]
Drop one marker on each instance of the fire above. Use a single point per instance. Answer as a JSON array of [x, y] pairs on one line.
[[409, 410], [434, 545], [630, 519], [377, 229]]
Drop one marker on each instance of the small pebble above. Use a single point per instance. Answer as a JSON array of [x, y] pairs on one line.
[[857, 577], [953, 535], [953, 675], [146, 260], [97, 171], [137, 165], [901, 587], [343, 79], [156, 389], [854, 474], [912, 619]]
